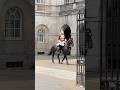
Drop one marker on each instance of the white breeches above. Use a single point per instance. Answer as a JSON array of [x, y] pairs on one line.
[[62, 43]]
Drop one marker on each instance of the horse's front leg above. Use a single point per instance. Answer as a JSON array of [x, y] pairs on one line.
[[63, 59], [66, 60], [58, 58], [52, 57]]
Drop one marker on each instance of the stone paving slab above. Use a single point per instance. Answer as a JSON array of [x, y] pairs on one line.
[[58, 73], [45, 82], [56, 76], [46, 61]]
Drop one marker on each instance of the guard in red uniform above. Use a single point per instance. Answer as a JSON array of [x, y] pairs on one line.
[[61, 39]]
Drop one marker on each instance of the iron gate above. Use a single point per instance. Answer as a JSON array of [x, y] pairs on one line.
[[110, 64], [80, 80]]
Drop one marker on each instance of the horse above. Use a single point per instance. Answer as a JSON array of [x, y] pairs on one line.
[[62, 49]]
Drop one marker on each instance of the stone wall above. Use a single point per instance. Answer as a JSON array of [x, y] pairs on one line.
[[17, 50], [65, 14]]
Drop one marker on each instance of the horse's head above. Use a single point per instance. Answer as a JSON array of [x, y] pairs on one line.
[[70, 42]]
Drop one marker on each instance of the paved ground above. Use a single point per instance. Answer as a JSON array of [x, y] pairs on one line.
[[56, 76], [45, 82], [45, 61]]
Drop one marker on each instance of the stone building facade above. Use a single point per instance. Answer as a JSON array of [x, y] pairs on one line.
[[53, 15], [16, 33]]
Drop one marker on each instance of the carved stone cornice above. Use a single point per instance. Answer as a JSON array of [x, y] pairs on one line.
[[61, 10]]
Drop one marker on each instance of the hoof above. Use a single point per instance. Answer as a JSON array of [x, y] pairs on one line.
[[61, 63]]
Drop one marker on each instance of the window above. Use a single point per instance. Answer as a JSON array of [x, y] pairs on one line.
[[13, 24], [41, 35], [40, 1], [69, 1], [66, 1]]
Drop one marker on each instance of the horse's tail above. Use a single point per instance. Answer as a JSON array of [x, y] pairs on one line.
[[51, 51]]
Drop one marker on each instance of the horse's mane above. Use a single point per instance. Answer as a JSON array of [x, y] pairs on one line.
[[69, 42]]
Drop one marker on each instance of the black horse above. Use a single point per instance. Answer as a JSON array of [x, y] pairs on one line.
[[62, 49]]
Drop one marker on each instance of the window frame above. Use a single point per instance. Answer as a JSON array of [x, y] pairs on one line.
[[41, 35], [14, 23], [39, 1]]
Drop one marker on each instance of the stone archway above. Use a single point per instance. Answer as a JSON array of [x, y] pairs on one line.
[[41, 39]]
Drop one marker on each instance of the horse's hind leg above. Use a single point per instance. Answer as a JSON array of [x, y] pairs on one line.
[[66, 60], [53, 58]]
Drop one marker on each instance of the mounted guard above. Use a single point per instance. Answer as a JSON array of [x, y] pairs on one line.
[[61, 40]]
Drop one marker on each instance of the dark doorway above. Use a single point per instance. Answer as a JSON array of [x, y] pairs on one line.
[[67, 31], [110, 64]]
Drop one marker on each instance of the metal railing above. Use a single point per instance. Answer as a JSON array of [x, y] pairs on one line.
[[80, 78]]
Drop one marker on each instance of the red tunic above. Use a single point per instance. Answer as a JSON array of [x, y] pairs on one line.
[[61, 38]]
